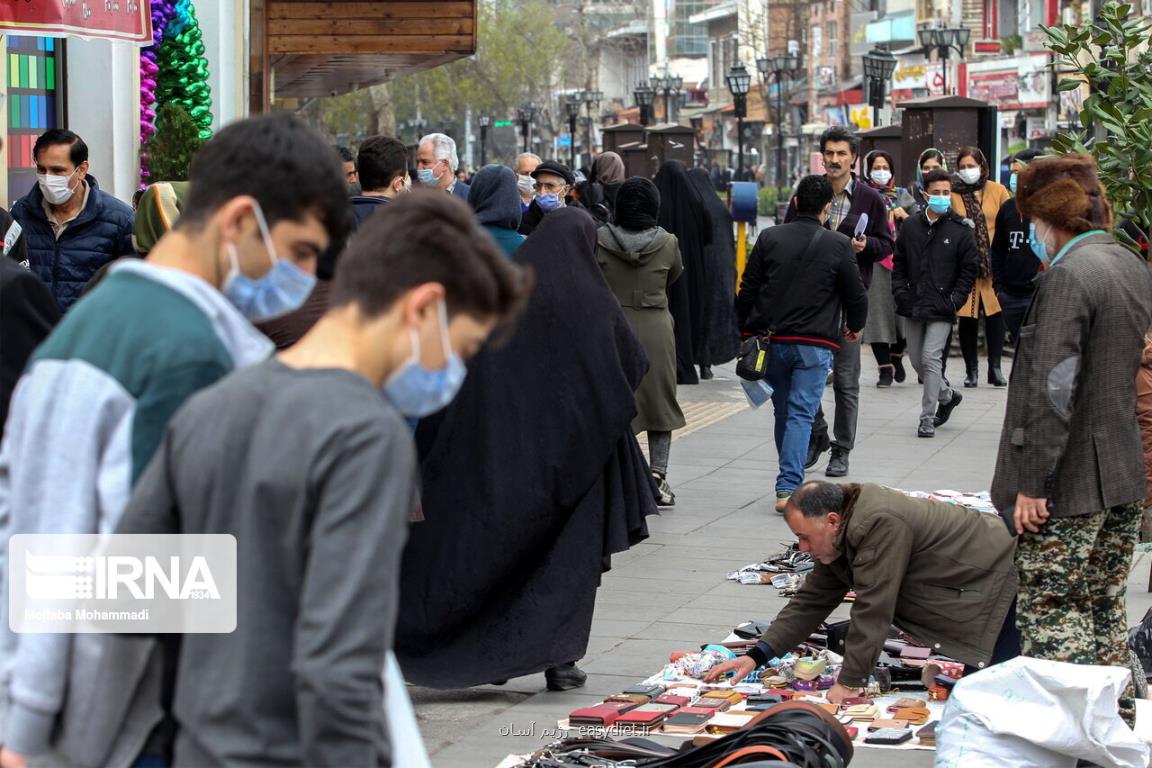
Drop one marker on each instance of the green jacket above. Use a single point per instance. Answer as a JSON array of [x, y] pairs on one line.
[[944, 574]]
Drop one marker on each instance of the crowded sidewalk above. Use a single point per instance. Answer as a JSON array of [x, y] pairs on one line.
[[669, 593]]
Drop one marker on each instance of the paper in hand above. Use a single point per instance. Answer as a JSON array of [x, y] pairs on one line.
[[757, 392], [861, 225]]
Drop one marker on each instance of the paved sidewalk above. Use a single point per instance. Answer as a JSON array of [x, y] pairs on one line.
[[670, 593]]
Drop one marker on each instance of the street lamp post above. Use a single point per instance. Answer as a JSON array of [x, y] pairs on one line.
[[526, 112], [572, 105], [669, 86], [879, 64], [780, 67], [644, 95], [739, 82], [592, 99], [484, 121], [944, 41]]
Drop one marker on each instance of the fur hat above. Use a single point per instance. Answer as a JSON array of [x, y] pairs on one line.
[[1064, 192]]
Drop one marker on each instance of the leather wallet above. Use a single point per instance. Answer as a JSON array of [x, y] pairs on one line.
[[765, 698], [863, 713], [685, 722], [729, 722], [604, 714], [913, 716], [852, 731], [645, 689], [716, 705], [915, 652], [856, 701], [927, 734], [732, 697], [889, 736], [668, 698], [648, 714], [694, 710], [876, 725], [908, 703], [635, 698]]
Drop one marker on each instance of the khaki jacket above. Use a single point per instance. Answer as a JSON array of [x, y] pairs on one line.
[[942, 573]]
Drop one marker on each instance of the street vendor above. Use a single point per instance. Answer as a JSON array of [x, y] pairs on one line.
[[942, 573]]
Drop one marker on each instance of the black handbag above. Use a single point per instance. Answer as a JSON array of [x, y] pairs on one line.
[[753, 362]]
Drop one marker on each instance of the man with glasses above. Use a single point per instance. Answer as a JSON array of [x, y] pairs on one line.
[[553, 184]]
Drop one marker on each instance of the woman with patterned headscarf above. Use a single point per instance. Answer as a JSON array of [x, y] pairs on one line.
[[977, 198]]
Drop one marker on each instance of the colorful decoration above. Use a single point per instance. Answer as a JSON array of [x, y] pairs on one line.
[[173, 70]]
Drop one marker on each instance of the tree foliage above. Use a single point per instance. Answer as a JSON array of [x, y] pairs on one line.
[[1112, 57]]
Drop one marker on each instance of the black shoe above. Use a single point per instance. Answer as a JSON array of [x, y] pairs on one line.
[[996, 378], [565, 678], [706, 373], [927, 428], [944, 412], [971, 381], [664, 495], [898, 364], [886, 375], [816, 449], [838, 464]]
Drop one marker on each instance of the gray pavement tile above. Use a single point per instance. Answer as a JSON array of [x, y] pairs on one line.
[[678, 636], [617, 627]]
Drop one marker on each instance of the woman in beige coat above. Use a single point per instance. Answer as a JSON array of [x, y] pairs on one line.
[[977, 198]]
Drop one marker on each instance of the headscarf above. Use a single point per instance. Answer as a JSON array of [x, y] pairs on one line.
[[157, 211], [637, 204], [888, 191], [608, 169], [930, 152], [495, 198], [974, 211]]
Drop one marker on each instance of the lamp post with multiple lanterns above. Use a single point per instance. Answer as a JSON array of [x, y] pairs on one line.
[[782, 67], [739, 81]]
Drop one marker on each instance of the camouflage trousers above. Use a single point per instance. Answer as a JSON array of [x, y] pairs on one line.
[[1073, 582]]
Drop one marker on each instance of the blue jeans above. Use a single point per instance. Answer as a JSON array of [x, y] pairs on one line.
[[797, 373]]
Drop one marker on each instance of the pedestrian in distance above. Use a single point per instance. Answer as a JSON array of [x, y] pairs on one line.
[[1014, 265], [934, 268], [978, 198], [803, 287], [1069, 472], [720, 255], [437, 163], [641, 262], [496, 205], [526, 162], [552, 183]]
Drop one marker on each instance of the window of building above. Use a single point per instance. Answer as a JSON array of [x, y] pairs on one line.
[[833, 51], [33, 69]]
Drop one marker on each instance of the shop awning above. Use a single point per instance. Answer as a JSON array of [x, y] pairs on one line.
[[324, 48], [90, 21]]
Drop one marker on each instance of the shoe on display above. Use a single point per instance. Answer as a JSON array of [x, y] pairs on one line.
[[944, 412], [838, 464]]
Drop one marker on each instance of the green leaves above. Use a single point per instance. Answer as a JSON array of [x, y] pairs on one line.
[[1111, 56]]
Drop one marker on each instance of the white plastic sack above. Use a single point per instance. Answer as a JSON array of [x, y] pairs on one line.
[[407, 745], [1031, 713]]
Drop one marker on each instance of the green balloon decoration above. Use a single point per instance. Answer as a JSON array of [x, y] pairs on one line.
[[183, 71]]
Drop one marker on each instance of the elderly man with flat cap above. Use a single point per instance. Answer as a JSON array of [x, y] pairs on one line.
[[1070, 472], [553, 184]]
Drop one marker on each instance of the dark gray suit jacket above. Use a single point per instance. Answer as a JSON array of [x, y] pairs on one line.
[[1070, 432]]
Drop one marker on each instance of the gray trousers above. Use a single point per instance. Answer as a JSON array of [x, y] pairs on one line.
[[927, 342], [846, 389]]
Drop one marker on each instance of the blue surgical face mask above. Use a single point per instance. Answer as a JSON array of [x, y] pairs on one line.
[[1012, 183], [417, 391], [1038, 246], [283, 290], [426, 177], [940, 203], [548, 202]]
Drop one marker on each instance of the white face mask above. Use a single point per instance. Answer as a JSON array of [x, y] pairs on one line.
[[526, 186], [969, 175], [55, 188], [882, 177]]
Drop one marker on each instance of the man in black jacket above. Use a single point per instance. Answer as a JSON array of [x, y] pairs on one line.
[[1014, 266], [851, 199], [934, 269], [28, 313], [801, 285]]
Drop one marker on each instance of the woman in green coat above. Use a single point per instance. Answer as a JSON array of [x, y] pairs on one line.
[[640, 261]]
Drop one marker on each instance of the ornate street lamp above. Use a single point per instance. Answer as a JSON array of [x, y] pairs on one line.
[[526, 112], [879, 64], [572, 105], [644, 95], [592, 99], [944, 41], [485, 121], [782, 67], [739, 81]]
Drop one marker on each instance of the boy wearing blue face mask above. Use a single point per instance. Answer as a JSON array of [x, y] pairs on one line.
[[306, 460], [934, 268], [93, 404]]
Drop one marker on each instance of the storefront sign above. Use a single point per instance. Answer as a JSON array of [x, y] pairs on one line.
[[1022, 82], [124, 20]]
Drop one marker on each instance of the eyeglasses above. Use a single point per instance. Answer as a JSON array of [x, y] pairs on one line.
[[548, 186]]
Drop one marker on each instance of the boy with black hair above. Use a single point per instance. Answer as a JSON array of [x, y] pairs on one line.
[[1014, 265], [314, 472], [266, 195], [933, 270], [383, 167]]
